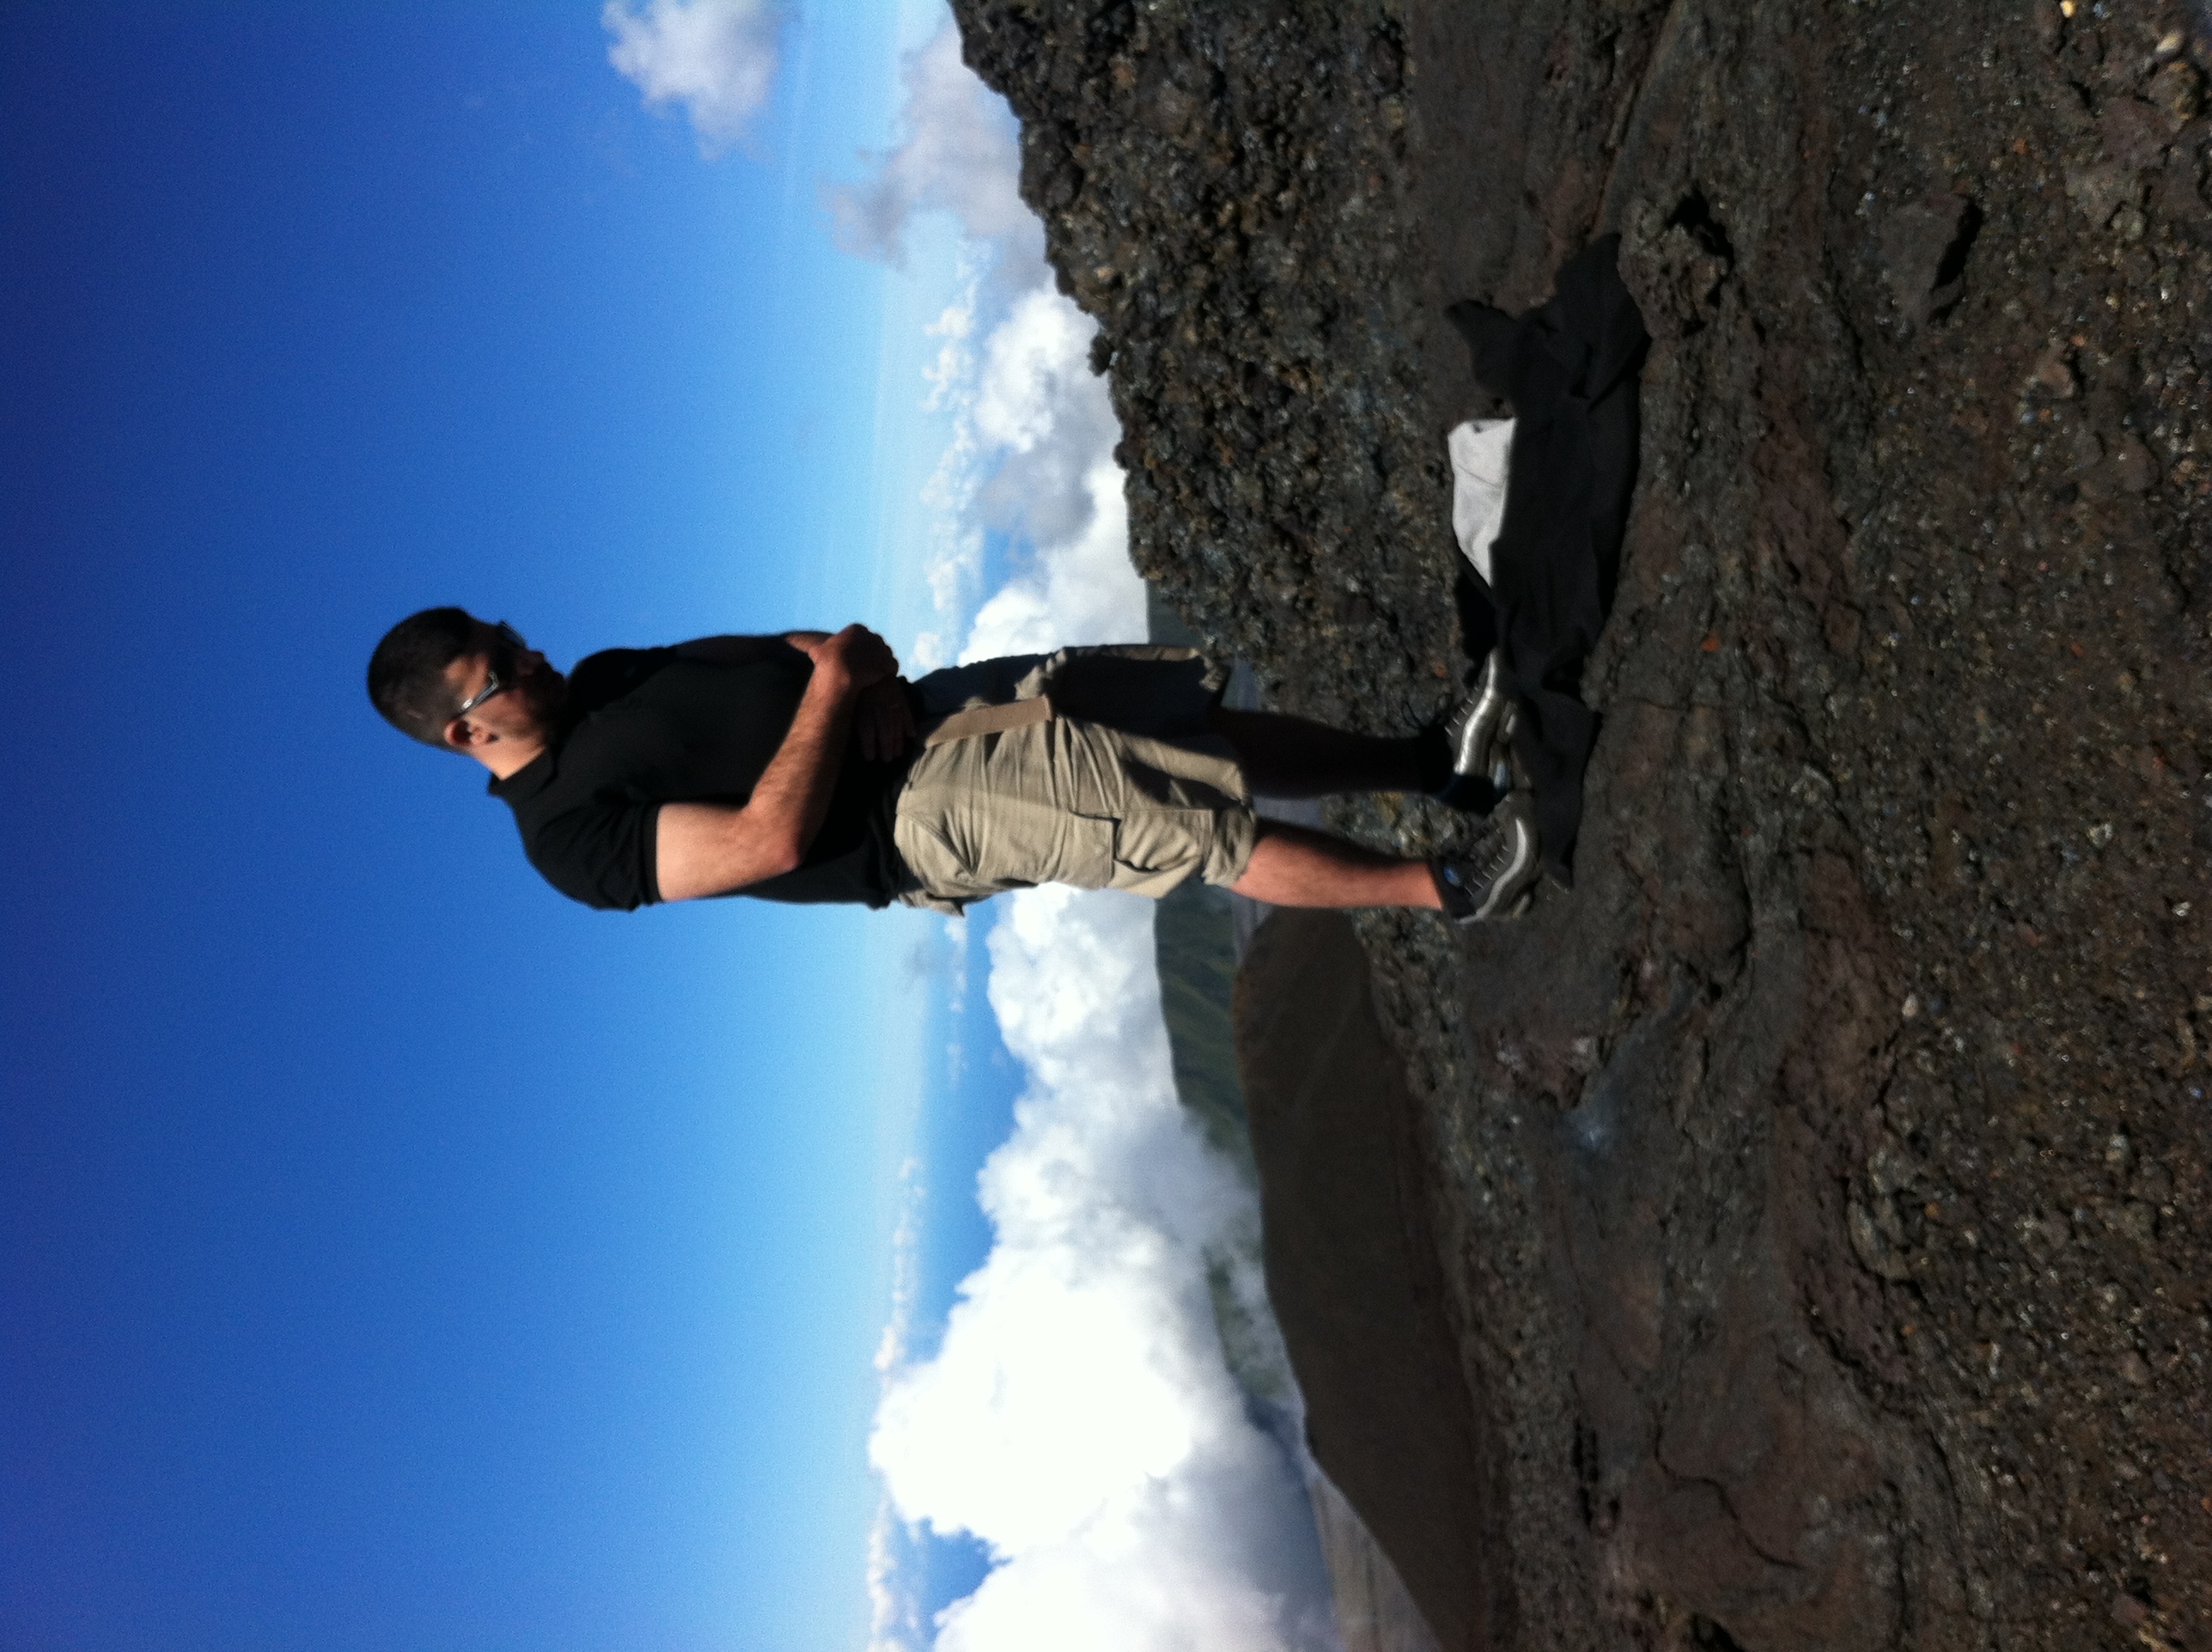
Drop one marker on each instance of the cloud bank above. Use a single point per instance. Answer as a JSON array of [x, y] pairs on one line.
[[716, 57], [960, 155], [1031, 459], [1078, 1417]]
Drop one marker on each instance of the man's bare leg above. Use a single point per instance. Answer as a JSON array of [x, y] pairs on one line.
[[1291, 866], [1291, 757]]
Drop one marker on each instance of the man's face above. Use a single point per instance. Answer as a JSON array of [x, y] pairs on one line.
[[524, 691]]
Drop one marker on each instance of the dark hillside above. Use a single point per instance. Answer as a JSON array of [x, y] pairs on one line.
[[1818, 1188]]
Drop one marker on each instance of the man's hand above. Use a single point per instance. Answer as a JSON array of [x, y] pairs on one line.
[[856, 653], [883, 717], [881, 712]]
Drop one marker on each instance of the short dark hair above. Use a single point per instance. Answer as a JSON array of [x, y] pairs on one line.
[[407, 673]]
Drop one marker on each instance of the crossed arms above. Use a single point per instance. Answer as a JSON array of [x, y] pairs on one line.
[[705, 848]]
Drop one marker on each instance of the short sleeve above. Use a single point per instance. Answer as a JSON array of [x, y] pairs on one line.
[[601, 853]]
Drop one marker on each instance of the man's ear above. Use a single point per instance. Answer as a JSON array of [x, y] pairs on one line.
[[462, 735]]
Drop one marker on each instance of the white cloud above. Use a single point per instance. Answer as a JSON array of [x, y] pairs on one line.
[[893, 1608], [1034, 362], [960, 156], [1031, 453], [895, 1611], [1039, 403], [1175, 1584], [1081, 590], [716, 57], [1078, 1417]]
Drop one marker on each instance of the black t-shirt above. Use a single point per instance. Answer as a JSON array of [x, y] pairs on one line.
[[645, 727]]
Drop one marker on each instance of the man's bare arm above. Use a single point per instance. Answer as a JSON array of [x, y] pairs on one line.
[[704, 848]]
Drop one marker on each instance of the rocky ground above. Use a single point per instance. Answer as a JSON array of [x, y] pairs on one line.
[[1820, 1185]]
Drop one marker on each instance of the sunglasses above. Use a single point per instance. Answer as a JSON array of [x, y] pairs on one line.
[[511, 644]]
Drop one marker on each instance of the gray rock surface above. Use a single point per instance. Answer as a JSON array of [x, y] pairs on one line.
[[1818, 1188]]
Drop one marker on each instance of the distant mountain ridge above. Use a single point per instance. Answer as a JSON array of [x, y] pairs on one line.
[[1195, 946]]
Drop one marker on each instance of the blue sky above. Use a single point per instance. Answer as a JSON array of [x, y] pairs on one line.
[[396, 1255], [392, 1253]]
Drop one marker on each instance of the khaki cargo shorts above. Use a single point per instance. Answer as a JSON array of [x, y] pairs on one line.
[[1107, 776]]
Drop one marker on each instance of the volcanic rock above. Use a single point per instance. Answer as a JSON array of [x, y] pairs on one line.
[[1816, 1191]]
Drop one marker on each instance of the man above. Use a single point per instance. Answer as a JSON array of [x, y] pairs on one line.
[[804, 767]]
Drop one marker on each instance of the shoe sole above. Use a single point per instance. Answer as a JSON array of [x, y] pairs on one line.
[[1478, 734], [1515, 891]]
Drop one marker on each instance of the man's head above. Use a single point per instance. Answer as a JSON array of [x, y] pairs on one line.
[[447, 679]]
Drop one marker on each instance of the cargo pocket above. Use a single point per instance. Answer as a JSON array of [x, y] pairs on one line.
[[1157, 849], [933, 864], [972, 855], [1076, 849]]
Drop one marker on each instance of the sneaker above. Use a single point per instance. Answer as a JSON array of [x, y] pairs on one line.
[[1479, 735], [1503, 882]]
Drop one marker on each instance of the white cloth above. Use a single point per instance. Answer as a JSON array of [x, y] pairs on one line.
[[1479, 451]]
